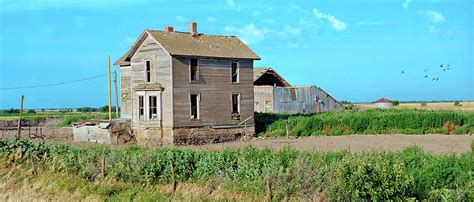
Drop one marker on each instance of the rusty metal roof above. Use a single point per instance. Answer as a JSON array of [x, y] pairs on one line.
[[200, 45], [382, 100]]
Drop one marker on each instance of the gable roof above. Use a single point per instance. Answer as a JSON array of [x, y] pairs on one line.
[[259, 72], [201, 45]]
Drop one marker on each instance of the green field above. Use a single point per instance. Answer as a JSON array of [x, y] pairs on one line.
[[373, 121], [287, 173], [66, 118]]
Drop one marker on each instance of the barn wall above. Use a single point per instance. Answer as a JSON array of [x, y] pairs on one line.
[[215, 89], [125, 92], [302, 100], [263, 98], [161, 73]]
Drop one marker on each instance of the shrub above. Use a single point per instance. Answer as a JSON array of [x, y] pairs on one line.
[[31, 111], [338, 175], [457, 104]]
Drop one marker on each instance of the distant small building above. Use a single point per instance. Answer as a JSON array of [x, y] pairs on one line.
[[383, 103], [274, 94]]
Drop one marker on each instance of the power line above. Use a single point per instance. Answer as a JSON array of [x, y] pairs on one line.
[[53, 84]]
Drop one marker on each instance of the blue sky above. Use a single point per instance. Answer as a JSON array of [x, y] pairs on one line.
[[355, 50]]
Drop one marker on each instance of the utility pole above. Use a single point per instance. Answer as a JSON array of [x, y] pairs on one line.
[[21, 116], [116, 95], [109, 94]]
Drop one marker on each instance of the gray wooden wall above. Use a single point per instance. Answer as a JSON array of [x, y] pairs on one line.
[[160, 62], [215, 89], [294, 100]]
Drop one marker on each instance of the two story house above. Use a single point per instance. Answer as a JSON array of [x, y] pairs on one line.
[[187, 87]]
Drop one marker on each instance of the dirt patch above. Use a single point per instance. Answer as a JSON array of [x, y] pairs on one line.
[[438, 144]]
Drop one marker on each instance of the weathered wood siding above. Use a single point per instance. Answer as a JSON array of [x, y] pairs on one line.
[[302, 100], [263, 98], [125, 92], [160, 62], [215, 90]]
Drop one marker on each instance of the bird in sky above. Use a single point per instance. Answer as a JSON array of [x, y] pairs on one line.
[[426, 70], [403, 72], [426, 76]]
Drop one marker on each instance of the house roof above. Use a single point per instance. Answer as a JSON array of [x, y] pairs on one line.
[[382, 100], [200, 45], [259, 72]]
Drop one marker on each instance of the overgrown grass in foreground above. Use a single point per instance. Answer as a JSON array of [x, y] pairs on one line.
[[333, 175], [376, 121]]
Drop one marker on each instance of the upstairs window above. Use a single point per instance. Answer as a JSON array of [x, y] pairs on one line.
[[234, 71], [193, 70], [148, 71], [194, 101], [152, 108]]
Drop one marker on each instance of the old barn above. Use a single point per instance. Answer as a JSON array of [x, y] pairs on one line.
[[272, 93]]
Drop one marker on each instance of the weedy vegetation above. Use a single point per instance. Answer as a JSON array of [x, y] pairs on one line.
[[374, 121], [284, 174]]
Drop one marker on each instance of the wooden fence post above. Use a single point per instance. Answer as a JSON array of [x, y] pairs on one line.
[[287, 130], [21, 116], [173, 178], [269, 188], [102, 168], [33, 165]]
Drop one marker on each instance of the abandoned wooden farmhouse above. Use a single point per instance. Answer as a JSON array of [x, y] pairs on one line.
[[272, 93], [187, 87]]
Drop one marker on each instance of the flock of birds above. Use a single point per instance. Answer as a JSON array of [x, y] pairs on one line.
[[443, 67]]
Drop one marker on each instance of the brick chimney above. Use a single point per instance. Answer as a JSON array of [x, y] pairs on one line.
[[193, 28], [169, 29]]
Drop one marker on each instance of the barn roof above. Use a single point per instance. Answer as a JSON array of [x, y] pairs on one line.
[[383, 100], [200, 45], [261, 75]]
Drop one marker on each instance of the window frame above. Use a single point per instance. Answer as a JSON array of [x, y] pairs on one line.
[[141, 114], [146, 105], [198, 103], [190, 70], [147, 71], [239, 98], [237, 71]]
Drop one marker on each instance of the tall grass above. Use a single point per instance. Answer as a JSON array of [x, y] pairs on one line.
[[376, 121], [408, 174]]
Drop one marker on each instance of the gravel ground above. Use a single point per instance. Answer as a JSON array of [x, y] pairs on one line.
[[439, 144]]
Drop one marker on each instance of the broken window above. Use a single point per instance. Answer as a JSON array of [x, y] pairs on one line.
[[236, 106], [234, 72], [148, 71], [193, 70], [194, 100], [152, 108], [141, 108]]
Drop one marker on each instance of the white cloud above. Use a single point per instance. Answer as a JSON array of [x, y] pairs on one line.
[[290, 31], [211, 19], [269, 21], [433, 16], [249, 34], [406, 3], [232, 5], [335, 23], [375, 23], [308, 24], [297, 8], [181, 19], [256, 13]]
